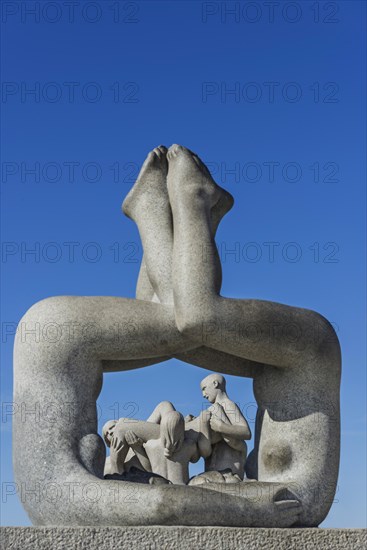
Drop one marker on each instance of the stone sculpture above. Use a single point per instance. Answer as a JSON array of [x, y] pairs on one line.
[[165, 443], [292, 354]]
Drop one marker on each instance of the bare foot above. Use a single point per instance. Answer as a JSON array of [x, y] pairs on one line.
[[150, 195], [225, 202], [149, 190], [220, 209], [189, 177], [148, 205]]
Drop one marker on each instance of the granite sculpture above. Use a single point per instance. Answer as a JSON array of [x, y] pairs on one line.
[[166, 442], [292, 355]]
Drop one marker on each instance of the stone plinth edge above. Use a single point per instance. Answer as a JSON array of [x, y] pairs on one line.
[[184, 538]]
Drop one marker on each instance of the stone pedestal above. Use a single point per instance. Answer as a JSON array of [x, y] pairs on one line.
[[183, 538]]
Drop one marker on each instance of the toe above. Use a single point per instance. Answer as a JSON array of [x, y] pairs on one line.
[[180, 150], [175, 148], [171, 154]]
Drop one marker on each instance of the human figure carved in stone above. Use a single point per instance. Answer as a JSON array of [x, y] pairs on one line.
[[112, 463], [294, 359], [164, 444], [229, 428], [216, 434]]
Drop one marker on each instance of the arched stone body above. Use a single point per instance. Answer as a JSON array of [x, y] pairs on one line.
[[64, 344]]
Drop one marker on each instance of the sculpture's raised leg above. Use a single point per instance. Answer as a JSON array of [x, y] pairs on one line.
[[148, 205]]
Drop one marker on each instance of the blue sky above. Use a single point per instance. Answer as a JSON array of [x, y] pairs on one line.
[[272, 101]]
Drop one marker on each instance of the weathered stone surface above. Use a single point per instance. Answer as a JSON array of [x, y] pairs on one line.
[[65, 343], [183, 538], [135, 475]]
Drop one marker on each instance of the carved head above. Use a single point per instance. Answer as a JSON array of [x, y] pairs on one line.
[[212, 385], [172, 432]]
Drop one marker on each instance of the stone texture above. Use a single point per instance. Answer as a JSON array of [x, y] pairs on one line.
[[185, 538], [136, 475], [65, 343]]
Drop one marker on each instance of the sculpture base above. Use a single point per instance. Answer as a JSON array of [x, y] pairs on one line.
[[157, 537]]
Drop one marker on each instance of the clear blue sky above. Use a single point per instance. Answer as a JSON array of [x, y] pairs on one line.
[[273, 101]]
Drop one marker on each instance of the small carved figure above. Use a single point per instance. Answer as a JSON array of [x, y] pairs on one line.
[[229, 428]]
